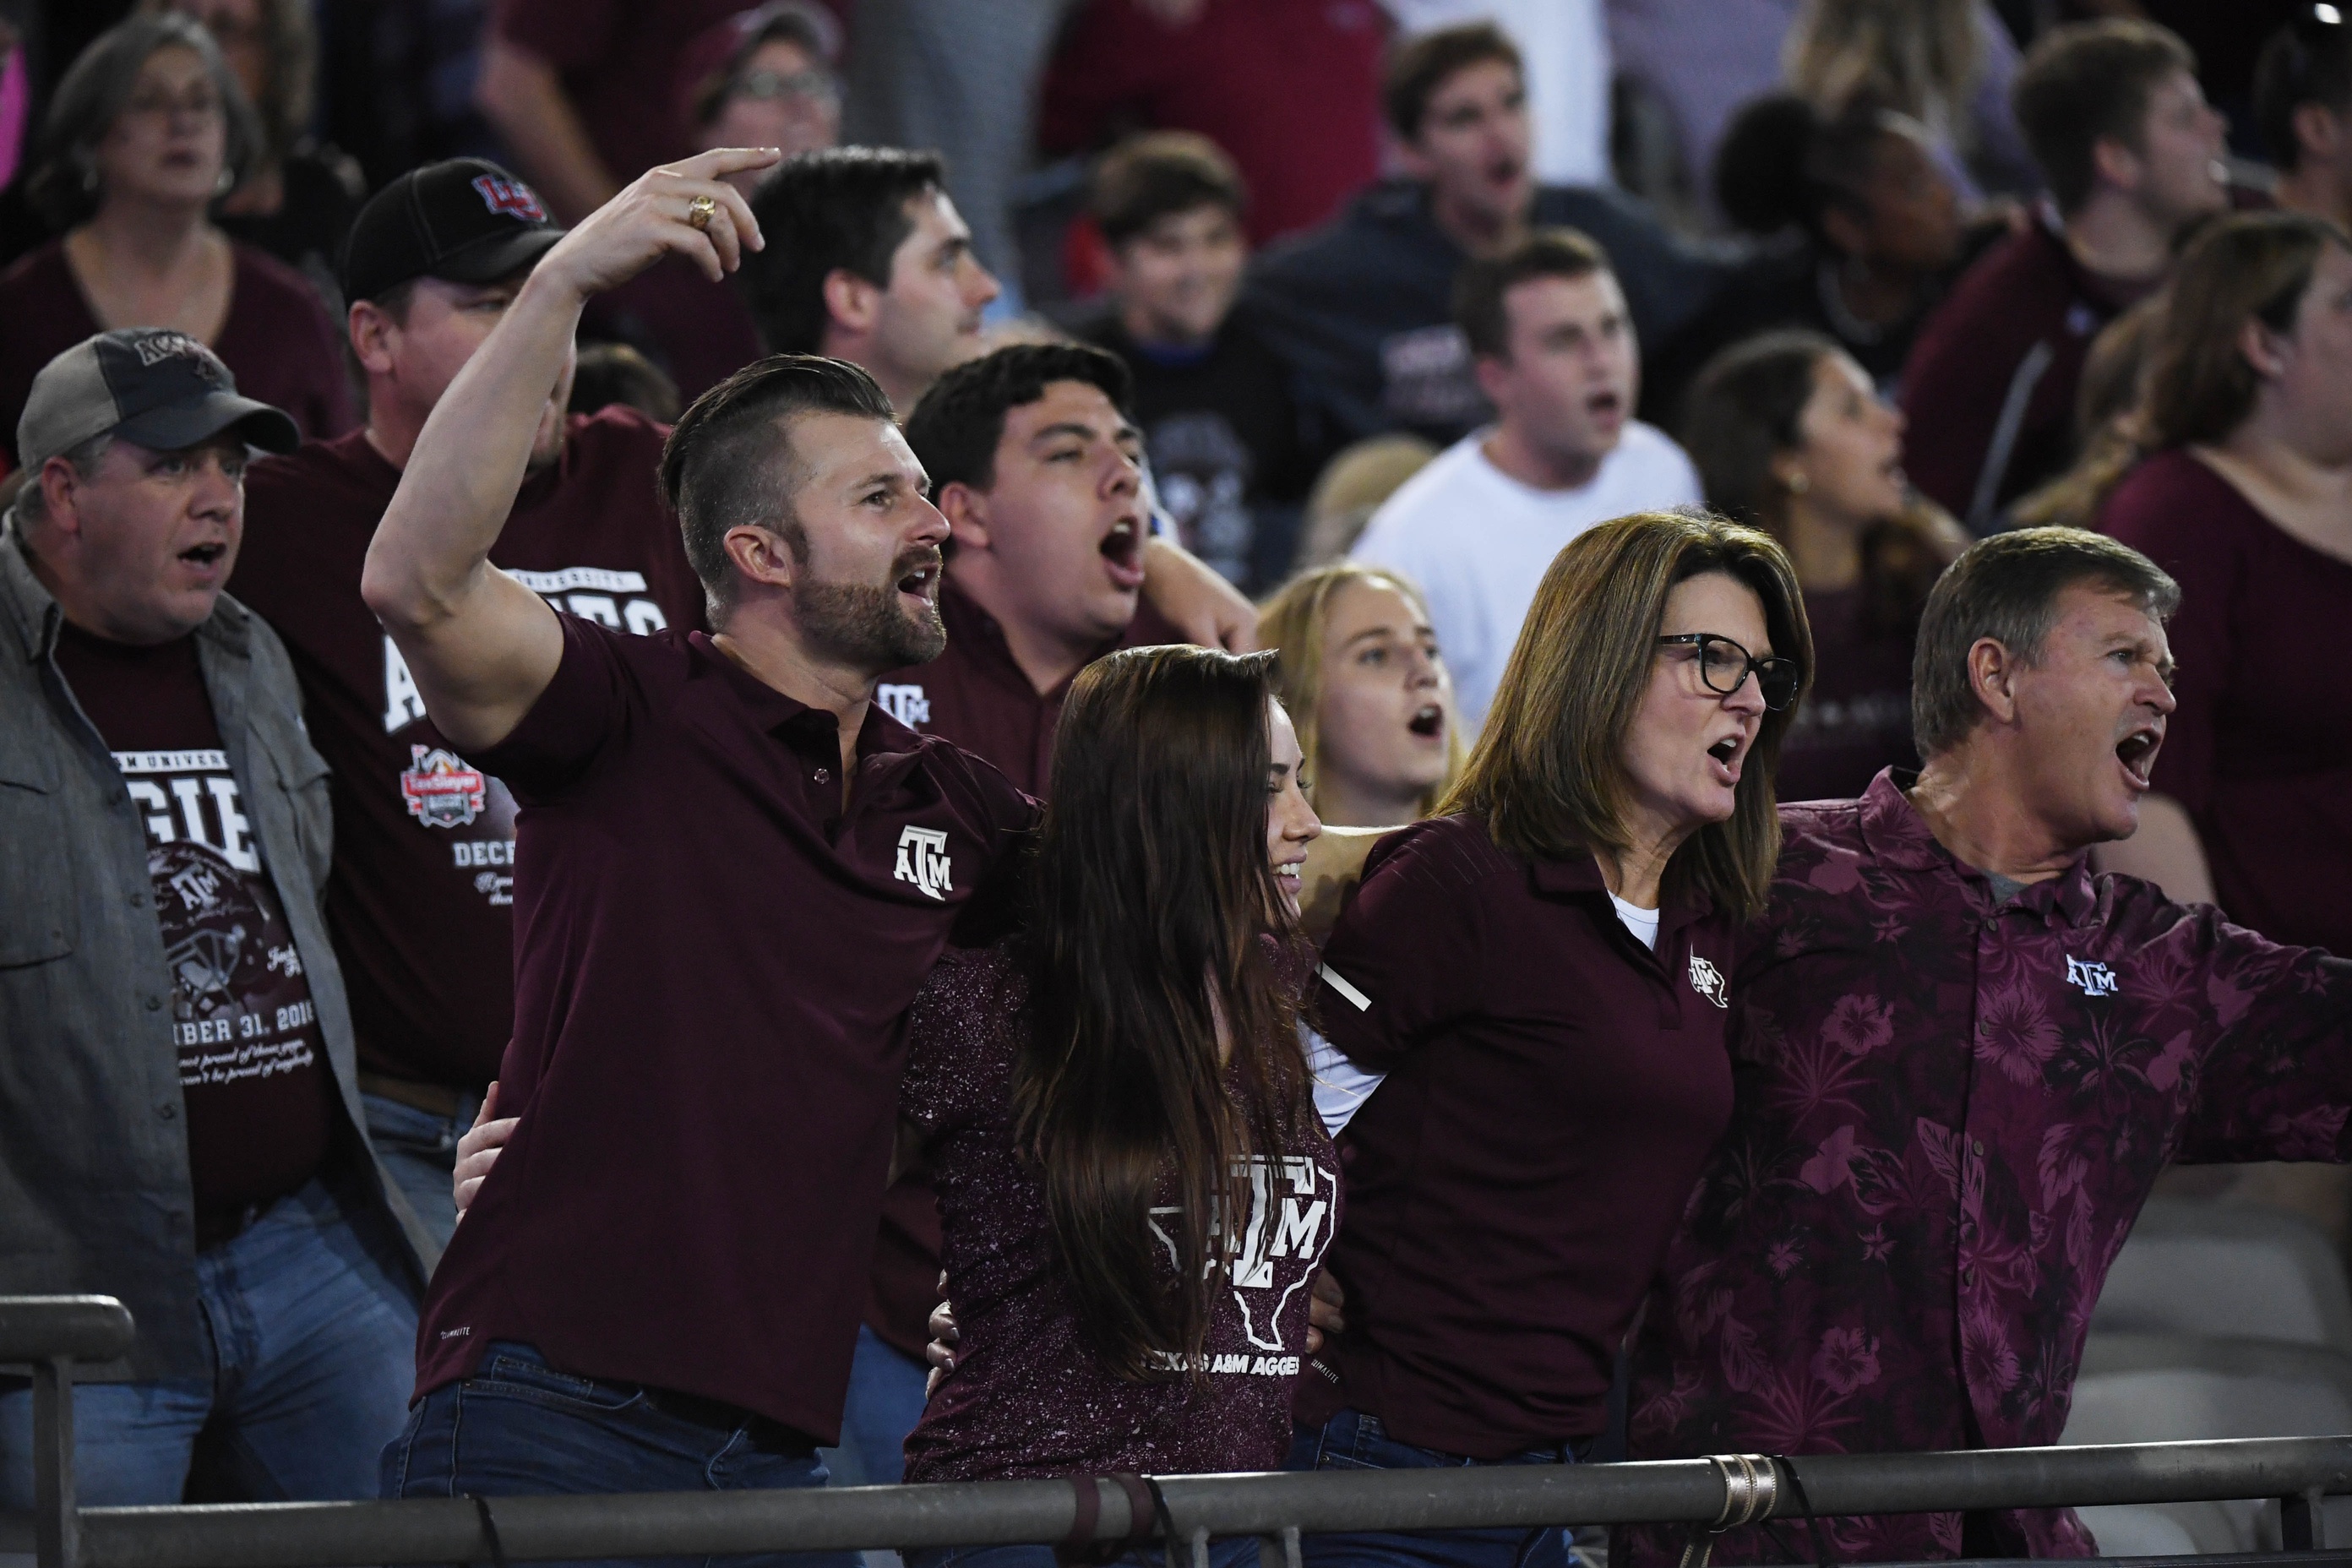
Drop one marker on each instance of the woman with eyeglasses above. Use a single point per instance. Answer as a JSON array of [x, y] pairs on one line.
[[1540, 971], [147, 132]]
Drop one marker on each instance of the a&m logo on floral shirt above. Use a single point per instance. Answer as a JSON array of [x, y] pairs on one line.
[[2092, 979], [1707, 981]]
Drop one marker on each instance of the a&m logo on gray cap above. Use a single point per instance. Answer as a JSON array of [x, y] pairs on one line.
[[161, 389]]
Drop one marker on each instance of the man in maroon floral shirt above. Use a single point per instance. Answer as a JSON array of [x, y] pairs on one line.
[[1960, 1059]]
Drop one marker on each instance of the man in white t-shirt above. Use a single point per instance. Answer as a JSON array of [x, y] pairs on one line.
[[1477, 528]]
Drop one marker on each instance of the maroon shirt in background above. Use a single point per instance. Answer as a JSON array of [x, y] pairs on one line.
[[700, 333], [2010, 336], [421, 894], [1948, 1113], [619, 61], [1553, 1087], [1289, 88], [277, 342], [976, 696], [1030, 1398], [1857, 718], [2260, 749], [247, 1033], [714, 958]]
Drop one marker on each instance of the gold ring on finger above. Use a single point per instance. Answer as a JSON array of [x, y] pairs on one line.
[[700, 211]]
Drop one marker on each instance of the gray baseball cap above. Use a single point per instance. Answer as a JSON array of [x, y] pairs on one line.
[[161, 389]]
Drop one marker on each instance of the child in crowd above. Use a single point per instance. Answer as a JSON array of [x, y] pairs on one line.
[[1214, 401]]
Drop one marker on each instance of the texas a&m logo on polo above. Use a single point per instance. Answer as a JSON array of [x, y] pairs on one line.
[[511, 197], [907, 704], [441, 789], [923, 860], [1707, 981], [2089, 977]]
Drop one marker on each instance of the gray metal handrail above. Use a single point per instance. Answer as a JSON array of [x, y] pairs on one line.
[[1706, 1493]]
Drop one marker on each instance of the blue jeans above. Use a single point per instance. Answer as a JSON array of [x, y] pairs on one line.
[[885, 1399], [1353, 1441], [518, 1427], [1238, 1551], [313, 1329], [420, 1150]]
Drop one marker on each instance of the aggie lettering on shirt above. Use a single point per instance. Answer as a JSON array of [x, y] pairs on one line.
[[421, 898], [242, 1022]]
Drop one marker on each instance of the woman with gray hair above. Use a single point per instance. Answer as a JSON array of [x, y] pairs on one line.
[[296, 197], [148, 130]]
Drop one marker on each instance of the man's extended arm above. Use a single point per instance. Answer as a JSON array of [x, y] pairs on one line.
[[481, 645]]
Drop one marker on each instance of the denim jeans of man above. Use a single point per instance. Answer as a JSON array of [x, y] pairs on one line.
[[886, 1400], [519, 1427], [420, 1149], [1353, 1441], [313, 1326]]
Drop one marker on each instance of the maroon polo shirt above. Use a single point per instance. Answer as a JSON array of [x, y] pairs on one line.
[[975, 695], [714, 958], [619, 61], [421, 896], [1553, 1089]]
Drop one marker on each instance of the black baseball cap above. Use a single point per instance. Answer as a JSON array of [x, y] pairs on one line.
[[162, 390], [466, 220]]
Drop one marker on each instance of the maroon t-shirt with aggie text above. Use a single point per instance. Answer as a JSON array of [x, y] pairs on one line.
[[715, 950], [421, 897], [1029, 1397], [242, 1017]]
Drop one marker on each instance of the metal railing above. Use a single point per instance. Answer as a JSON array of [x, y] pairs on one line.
[[1709, 1493]]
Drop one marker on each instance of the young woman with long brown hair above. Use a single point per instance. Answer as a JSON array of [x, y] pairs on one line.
[[1539, 970], [2240, 486], [1134, 1186], [1788, 435]]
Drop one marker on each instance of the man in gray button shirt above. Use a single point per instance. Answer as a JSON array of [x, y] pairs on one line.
[[178, 1105]]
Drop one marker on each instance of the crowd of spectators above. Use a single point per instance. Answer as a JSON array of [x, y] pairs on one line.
[[1369, 332]]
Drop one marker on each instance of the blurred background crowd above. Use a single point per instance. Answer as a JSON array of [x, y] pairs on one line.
[[1426, 286]]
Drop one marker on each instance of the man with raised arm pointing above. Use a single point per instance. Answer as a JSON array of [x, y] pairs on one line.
[[732, 873]]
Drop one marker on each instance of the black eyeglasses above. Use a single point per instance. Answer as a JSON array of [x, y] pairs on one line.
[[1724, 666]]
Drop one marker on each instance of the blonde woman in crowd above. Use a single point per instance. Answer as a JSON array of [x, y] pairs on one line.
[[1360, 672]]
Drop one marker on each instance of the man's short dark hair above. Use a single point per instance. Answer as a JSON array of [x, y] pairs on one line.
[[2006, 588], [1479, 292], [1419, 66], [2306, 61], [2085, 83], [955, 428], [1158, 175], [729, 461], [840, 209]]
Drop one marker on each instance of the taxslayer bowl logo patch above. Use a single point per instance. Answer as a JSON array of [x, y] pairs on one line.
[[441, 789], [511, 197]]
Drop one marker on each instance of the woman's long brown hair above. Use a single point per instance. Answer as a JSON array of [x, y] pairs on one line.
[[2197, 385], [1150, 900], [1547, 775], [1747, 407]]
